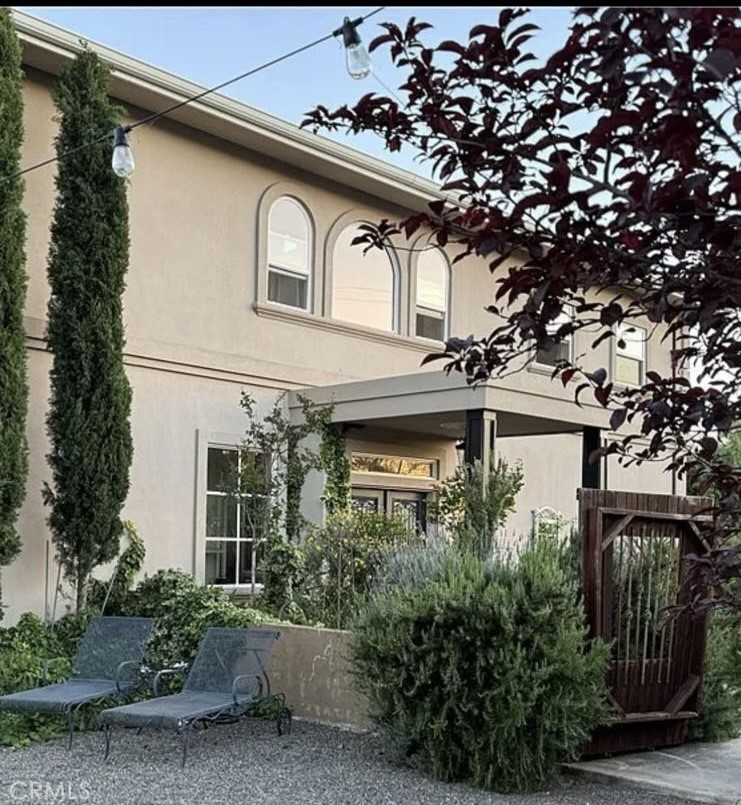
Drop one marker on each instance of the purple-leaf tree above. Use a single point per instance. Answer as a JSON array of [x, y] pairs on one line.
[[608, 179]]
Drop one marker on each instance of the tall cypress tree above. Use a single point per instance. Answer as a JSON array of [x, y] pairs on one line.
[[88, 419], [13, 388]]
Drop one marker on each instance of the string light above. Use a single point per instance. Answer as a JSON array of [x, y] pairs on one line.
[[358, 61], [123, 158]]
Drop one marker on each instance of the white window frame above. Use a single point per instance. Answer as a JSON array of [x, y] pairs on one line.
[[206, 440], [618, 353], [290, 271], [423, 310], [566, 314]]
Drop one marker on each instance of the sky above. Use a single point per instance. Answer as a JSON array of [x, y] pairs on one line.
[[210, 45]]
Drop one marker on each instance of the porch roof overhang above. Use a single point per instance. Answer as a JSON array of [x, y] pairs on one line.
[[432, 403]]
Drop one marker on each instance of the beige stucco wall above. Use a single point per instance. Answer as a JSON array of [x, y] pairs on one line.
[[311, 667], [199, 332]]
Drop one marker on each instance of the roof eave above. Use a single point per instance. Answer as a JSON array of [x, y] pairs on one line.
[[48, 47]]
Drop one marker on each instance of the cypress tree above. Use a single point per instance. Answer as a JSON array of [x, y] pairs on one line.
[[88, 419], [13, 388]]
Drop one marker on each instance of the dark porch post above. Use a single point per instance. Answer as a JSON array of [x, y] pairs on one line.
[[591, 474], [481, 430]]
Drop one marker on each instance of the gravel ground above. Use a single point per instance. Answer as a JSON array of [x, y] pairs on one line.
[[249, 763]]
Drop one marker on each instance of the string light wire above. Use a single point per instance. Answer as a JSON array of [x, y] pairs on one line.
[[155, 115]]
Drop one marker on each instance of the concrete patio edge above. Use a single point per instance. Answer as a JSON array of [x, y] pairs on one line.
[[699, 772], [668, 788]]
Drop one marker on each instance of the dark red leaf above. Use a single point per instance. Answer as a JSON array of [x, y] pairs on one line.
[[617, 418], [720, 62]]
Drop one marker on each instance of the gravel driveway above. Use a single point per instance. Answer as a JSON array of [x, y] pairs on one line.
[[249, 763]]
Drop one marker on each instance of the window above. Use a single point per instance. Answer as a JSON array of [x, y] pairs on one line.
[[394, 465], [630, 355], [233, 521], [432, 295], [364, 287], [551, 354], [289, 254]]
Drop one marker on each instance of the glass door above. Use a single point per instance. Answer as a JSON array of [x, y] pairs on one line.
[[411, 505]]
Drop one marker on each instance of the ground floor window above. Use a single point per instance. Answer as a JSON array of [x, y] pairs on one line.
[[234, 521], [411, 505]]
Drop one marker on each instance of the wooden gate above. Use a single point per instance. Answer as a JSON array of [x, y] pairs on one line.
[[633, 550]]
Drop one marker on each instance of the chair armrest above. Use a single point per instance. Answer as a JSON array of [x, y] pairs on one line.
[[237, 679], [121, 667], [182, 671]]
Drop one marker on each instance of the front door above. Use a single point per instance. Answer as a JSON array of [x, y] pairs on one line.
[[409, 504]]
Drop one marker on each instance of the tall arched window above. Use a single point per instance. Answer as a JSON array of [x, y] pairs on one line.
[[432, 295], [363, 286], [289, 254]]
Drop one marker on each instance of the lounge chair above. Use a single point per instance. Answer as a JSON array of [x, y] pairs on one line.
[[226, 678], [108, 662]]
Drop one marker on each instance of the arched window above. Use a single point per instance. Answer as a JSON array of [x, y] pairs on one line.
[[432, 295], [363, 286], [289, 254]]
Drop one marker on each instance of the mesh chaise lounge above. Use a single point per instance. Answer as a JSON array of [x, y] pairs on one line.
[[108, 660], [227, 677]]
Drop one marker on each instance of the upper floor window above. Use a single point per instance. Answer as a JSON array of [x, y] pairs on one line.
[[289, 254], [630, 355], [551, 354], [432, 295], [364, 286]]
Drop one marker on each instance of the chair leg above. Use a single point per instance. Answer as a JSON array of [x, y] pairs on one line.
[[107, 741], [284, 721], [186, 740], [70, 726]]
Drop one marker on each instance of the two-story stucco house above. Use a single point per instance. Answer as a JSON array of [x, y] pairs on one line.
[[242, 277]]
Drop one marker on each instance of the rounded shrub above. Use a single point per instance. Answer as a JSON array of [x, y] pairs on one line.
[[183, 609], [481, 671]]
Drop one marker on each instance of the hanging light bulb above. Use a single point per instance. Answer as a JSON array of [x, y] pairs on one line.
[[358, 61], [123, 157]]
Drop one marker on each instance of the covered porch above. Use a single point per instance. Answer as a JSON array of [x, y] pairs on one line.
[[429, 422]]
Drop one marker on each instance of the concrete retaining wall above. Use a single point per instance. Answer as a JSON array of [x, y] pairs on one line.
[[310, 666]]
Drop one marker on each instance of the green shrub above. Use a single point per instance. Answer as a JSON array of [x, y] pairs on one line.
[[471, 508], [720, 719], [183, 609], [30, 655], [481, 671], [341, 560]]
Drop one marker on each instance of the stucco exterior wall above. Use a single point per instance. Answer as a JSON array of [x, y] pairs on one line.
[[311, 667], [199, 331]]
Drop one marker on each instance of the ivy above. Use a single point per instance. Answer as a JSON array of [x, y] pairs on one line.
[[336, 467]]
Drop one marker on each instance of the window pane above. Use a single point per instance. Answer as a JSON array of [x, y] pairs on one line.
[[288, 236], [393, 465], [221, 562], [635, 342], [250, 555], [255, 513], [364, 504], [222, 469], [363, 285], [221, 516], [550, 355], [628, 370], [430, 327], [287, 289], [553, 326], [432, 280]]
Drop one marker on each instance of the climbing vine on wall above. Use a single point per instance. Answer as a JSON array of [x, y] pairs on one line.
[[336, 466]]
